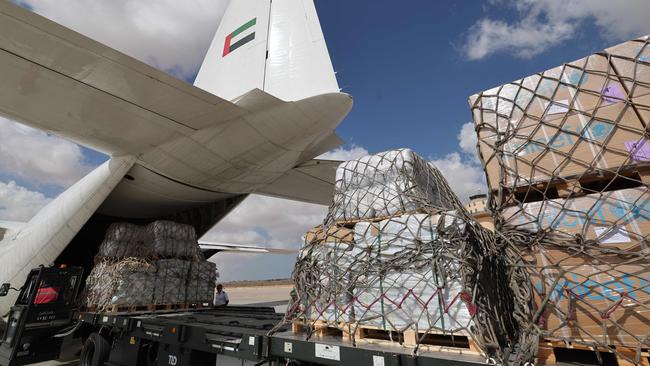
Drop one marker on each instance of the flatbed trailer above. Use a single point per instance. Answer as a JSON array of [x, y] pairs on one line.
[[238, 335], [223, 336]]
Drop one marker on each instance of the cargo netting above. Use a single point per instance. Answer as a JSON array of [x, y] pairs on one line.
[[566, 156], [399, 253], [158, 264]]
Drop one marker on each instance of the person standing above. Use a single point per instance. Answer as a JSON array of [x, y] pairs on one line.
[[220, 296]]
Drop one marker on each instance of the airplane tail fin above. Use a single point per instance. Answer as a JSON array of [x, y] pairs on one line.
[[275, 46]]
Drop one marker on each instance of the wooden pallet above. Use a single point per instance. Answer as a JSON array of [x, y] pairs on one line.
[[570, 187], [429, 342], [199, 305], [157, 307], [112, 309], [554, 352], [351, 223]]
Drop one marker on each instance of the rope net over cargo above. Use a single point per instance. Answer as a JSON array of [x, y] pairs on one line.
[[398, 253], [157, 264], [566, 157]]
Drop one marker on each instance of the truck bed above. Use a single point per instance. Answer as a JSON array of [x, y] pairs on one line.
[[241, 332]]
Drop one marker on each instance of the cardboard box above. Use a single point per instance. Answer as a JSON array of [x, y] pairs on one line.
[[616, 220], [610, 137], [591, 301], [565, 122], [580, 86], [334, 234], [631, 60]]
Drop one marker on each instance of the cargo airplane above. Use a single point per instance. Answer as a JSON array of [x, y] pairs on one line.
[[265, 103]]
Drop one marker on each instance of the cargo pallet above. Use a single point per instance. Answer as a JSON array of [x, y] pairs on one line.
[[554, 352], [432, 341], [575, 186], [112, 309], [352, 222]]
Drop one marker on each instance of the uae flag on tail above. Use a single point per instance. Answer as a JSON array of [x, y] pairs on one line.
[[240, 37]]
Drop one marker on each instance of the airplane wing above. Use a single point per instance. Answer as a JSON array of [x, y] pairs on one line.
[[242, 248], [311, 182], [57, 80], [210, 248]]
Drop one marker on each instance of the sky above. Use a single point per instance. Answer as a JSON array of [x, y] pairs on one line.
[[410, 66]]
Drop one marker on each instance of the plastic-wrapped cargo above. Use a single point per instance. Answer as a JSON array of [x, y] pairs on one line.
[[129, 282], [134, 284], [168, 239], [386, 184], [407, 259], [99, 286], [201, 281], [397, 274], [333, 268], [124, 240], [171, 281], [160, 239], [158, 264], [414, 280]]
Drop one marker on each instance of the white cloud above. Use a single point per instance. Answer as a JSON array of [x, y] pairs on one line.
[[463, 174], [40, 158], [467, 140], [543, 24], [263, 221], [343, 154], [171, 35], [463, 169], [18, 203], [525, 39]]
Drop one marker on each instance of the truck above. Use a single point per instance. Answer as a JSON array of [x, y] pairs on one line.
[[38, 323]]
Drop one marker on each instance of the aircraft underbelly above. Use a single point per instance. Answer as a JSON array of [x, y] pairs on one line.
[[146, 194]]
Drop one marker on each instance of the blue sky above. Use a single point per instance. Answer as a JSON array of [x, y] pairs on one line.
[[410, 66], [406, 68]]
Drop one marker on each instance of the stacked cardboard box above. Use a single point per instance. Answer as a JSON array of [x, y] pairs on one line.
[[399, 253], [565, 153], [580, 119]]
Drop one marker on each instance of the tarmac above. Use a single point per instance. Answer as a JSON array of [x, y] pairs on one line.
[[274, 296]]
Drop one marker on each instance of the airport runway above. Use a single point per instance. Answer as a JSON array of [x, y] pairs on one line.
[[275, 296]]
